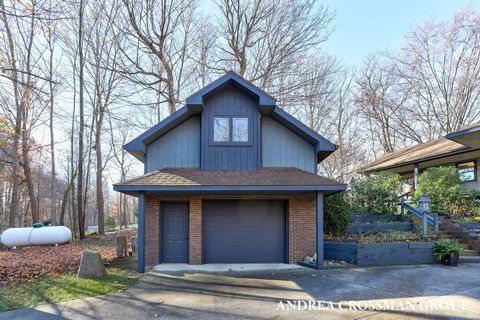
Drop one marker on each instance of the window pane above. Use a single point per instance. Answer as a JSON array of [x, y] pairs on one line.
[[466, 171], [221, 129], [240, 129]]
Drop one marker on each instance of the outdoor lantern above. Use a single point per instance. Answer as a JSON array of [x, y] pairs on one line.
[[424, 204]]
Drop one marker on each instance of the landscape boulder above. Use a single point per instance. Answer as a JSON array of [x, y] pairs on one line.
[[91, 265]]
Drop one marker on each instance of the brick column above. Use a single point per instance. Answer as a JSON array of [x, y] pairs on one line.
[[302, 227], [195, 231], [152, 231]]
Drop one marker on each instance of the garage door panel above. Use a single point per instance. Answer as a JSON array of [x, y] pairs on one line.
[[244, 231]]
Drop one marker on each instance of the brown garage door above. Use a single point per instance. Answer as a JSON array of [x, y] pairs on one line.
[[245, 231]]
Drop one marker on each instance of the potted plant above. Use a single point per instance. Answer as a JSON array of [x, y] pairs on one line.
[[447, 251]]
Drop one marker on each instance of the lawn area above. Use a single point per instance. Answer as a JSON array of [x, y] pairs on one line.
[[63, 287]]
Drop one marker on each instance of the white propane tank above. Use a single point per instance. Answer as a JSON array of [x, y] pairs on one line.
[[21, 237]]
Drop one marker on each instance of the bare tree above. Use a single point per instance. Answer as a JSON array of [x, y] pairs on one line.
[[17, 114], [81, 102], [441, 68], [379, 101], [156, 46], [265, 37], [101, 60]]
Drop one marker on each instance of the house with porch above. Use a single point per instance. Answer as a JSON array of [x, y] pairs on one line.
[[229, 178], [460, 149]]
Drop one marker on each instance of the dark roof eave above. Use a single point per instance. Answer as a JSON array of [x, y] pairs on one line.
[[406, 163], [264, 99], [462, 132], [137, 188]]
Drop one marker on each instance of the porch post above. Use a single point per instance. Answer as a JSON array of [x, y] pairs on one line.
[[141, 233], [415, 176], [319, 229]]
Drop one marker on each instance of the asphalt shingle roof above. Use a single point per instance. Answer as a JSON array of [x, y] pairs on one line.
[[176, 177]]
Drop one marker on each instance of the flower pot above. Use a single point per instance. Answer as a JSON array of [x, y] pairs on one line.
[[451, 260]]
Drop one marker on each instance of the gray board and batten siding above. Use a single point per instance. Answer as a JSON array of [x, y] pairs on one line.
[[230, 102], [178, 148], [283, 148], [270, 144]]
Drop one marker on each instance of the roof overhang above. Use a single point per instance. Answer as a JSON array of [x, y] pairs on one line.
[[134, 190], [427, 162], [469, 137]]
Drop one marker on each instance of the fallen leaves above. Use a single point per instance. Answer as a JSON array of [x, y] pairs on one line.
[[34, 262]]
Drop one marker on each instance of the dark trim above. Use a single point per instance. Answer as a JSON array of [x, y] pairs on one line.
[[127, 188], [230, 143], [287, 230], [260, 143], [319, 228], [141, 233], [264, 99], [475, 169], [462, 132], [145, 161], [162, 203]]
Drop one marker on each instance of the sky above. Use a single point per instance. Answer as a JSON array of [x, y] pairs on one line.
[[364, 26]]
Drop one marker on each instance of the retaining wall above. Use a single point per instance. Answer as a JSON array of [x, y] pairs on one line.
[[381, 254]]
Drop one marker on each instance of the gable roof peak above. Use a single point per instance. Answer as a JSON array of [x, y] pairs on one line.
[[231, 77]]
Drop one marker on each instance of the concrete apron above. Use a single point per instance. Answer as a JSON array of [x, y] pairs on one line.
[[224, 267]]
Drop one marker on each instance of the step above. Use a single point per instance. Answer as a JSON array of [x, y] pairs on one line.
[[446, 236], [469, 259], [470, 253]]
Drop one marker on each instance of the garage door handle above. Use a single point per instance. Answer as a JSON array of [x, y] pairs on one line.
[[186, 238]]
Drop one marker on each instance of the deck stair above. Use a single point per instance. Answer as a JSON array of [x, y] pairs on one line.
[[470, 237]]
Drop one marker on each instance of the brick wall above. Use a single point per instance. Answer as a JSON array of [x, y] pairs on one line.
[[196, 231], [152, 231], [301, 226]]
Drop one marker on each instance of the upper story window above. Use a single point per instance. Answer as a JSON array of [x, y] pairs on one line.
[[467, 171], [221, 129], [230, 130]]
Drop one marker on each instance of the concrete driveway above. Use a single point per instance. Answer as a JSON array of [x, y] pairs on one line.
[[405, 292]]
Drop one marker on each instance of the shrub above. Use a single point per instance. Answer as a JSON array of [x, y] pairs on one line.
[[444, 247], [377, 194], [442, 185], [336, 214], [110, 223]]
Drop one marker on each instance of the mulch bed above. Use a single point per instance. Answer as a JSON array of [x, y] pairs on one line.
[[34, 262], [381, 237]]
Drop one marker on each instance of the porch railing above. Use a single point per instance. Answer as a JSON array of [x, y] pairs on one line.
[[426, 218]]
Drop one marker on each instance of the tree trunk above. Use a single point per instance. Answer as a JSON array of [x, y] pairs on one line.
[[80, 211], [99, 178], [14, 204], [29, 177], [65, 197], [52, 137], [121, 246]]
